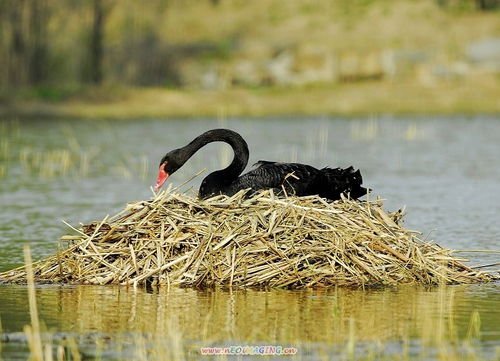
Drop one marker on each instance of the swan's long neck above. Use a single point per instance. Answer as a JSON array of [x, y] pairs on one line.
[[235, 140]]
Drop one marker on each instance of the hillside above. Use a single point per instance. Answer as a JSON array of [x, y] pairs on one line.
[[262, 57]]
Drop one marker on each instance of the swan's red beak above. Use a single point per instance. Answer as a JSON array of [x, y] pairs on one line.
[[162, 177]]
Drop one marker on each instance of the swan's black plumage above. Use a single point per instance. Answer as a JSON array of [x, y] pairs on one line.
[[292, 178]]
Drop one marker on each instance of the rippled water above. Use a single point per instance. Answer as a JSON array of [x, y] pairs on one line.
[[444, 170]]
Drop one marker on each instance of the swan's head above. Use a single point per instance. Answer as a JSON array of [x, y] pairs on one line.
[[168, 165]]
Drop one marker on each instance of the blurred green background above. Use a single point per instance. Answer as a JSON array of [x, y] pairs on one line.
[[110, 58]]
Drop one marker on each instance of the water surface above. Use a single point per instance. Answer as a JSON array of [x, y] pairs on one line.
[[444, 170]]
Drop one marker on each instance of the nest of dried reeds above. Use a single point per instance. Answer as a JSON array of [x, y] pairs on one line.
[[262, 241]]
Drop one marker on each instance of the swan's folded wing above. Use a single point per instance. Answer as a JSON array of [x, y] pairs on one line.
[[275, 175]]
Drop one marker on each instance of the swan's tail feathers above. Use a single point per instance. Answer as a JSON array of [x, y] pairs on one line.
[[343, 181]]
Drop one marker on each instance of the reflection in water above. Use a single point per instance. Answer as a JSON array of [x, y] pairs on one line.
[[313, 319]]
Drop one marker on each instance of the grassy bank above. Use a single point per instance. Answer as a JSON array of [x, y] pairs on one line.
[[366, 98]]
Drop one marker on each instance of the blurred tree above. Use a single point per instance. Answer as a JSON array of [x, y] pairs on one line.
[[93, 66], [483, 5], [17, 47], [37, 42], [96, 43], [487, 4]]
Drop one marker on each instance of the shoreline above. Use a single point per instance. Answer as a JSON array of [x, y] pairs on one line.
[[346, 100]]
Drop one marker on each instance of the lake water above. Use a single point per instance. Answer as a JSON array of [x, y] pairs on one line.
[[444, 170]]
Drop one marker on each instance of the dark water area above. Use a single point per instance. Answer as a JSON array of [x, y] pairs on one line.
[[445, 171]]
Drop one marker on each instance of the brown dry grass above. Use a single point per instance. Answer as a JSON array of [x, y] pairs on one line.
[[262, 241]]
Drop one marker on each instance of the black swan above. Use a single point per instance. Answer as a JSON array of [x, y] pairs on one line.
[[293, 178]]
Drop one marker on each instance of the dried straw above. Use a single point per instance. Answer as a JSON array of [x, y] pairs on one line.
[[262, 241]]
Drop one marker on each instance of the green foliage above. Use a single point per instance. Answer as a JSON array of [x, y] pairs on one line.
[[52, 93]]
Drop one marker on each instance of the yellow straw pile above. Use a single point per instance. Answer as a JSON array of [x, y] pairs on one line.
[[262, 241]]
